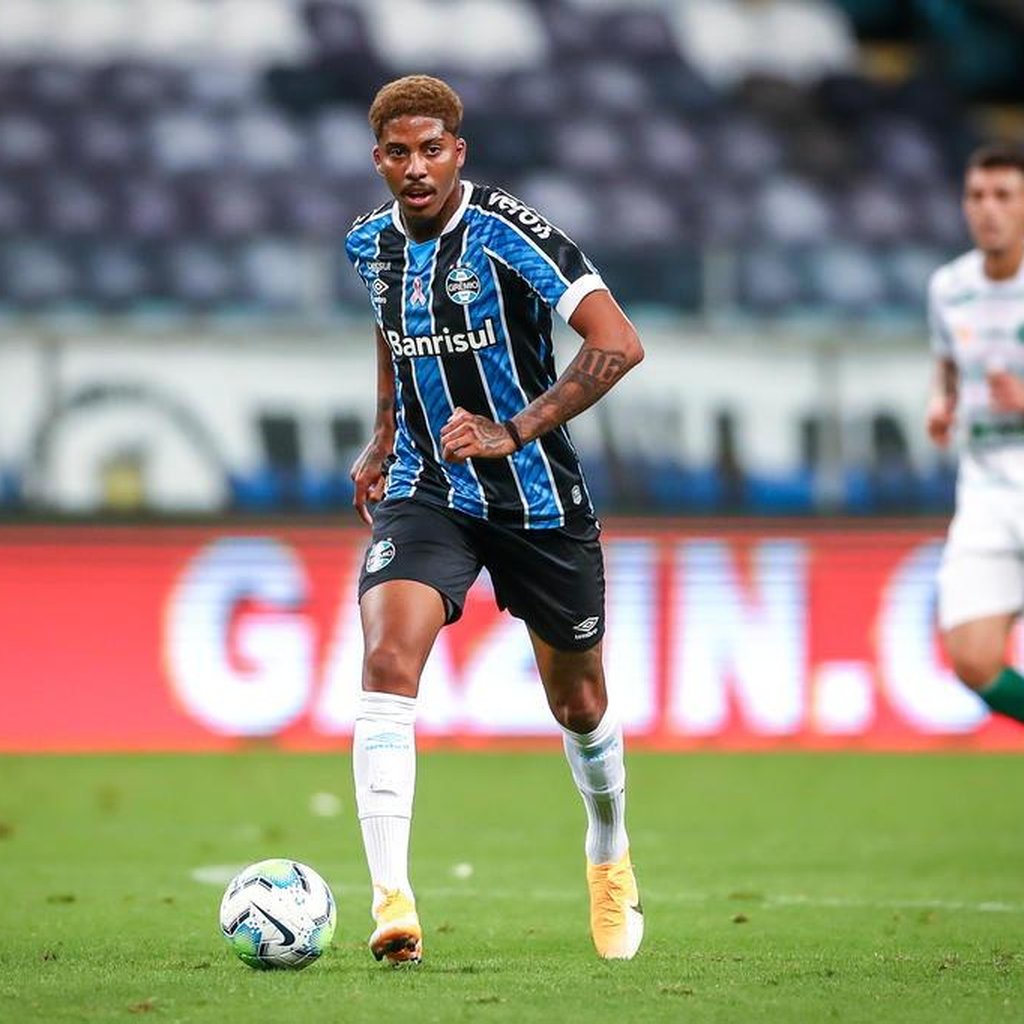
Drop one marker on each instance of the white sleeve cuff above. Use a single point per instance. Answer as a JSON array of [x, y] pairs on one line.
[[577, 292]]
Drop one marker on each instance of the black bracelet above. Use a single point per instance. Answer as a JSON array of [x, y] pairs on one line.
[[513, 432]]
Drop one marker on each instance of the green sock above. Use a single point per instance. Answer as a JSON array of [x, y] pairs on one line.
[[1005, 694]]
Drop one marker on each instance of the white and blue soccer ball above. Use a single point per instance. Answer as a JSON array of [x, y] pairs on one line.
[[278, 913]]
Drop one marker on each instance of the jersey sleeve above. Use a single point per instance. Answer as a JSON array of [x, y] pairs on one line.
[[939, 337], [361, 238], [550, 262], [354, 245]]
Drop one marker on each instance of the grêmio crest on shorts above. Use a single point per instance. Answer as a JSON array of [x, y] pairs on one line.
[[467, 317]]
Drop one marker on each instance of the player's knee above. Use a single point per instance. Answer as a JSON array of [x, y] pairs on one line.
[[976, 668], [578, 719], [581, 708], [388, 669]]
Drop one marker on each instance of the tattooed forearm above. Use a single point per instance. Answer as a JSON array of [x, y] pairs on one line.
[[593, 372], [604, 367], [948, 378], [584, 381], [384, 422], [385, 419]]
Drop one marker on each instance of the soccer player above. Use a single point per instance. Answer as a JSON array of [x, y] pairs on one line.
[[473, 467], [976, 313]]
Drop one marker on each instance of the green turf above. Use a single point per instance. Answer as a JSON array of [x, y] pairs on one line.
[[777, 887]]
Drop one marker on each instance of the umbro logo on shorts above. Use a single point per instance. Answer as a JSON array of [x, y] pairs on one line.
[[587, 628]]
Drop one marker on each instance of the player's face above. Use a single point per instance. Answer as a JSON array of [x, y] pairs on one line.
[[420, 161], [994, 207]]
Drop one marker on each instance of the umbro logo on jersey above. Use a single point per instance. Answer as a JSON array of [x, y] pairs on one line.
[[587, 628], [446, 343], [462, 285], [378, 287]]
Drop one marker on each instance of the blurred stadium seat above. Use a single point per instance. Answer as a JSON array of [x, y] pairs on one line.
[[112, 111]]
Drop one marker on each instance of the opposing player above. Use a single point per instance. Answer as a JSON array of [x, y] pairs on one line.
[[976, 312], [473, 467]]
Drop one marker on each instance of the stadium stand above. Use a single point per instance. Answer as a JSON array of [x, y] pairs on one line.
[[174, 153]]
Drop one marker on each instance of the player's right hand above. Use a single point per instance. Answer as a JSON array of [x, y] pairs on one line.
[[939, 420], [369, 476]]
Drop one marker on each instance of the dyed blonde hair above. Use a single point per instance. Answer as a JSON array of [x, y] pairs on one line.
[[419, 96]]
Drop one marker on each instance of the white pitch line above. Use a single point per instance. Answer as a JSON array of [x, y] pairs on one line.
[[845, 902], [221, 874], [215, 874], [770, 901]]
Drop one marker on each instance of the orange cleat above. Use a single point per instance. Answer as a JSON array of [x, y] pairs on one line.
[[616, 915], [398, 937]]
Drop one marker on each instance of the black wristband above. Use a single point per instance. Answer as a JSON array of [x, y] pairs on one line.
[[513, 432]]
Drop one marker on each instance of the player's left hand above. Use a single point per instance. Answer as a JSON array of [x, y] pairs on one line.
[[466, 436], [1006, 391]]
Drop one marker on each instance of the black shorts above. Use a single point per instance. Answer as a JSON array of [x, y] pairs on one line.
[[551, 579]]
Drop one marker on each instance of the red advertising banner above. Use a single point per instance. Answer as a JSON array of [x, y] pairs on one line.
[[164, 638]]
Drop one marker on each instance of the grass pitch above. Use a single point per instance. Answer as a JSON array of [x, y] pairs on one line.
[[778, 887]]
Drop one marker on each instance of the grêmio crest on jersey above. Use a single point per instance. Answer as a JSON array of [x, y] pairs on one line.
[[467, 317], [462, 284]]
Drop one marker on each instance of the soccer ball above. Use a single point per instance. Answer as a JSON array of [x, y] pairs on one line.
[[277, 913]]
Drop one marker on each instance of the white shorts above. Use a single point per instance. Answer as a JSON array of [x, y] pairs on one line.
[[982, 570]]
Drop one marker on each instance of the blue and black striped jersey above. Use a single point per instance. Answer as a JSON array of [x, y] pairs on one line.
[[467, 316]]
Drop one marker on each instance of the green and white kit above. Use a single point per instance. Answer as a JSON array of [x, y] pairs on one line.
[[979, 324]]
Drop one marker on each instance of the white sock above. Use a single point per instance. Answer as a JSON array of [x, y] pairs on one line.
[[598, 768], [384, 765], [386, 841]]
